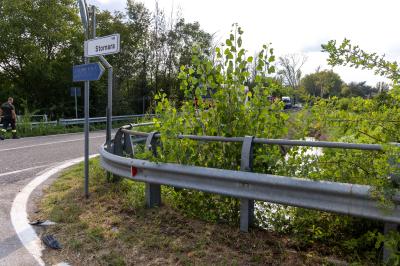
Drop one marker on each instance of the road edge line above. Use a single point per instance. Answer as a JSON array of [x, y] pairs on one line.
[[19, 214]]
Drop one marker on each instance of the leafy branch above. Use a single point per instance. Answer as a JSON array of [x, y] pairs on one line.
[[348, 54]]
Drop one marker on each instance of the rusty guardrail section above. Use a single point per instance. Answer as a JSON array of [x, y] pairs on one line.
[[343, 198]]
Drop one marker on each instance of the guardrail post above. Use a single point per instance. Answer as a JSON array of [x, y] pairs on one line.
[[246, 205], [387, 228], [118, 148], [395, 177], [153, 191], [128, 145]]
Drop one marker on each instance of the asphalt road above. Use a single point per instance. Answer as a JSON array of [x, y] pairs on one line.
[[20, 161]]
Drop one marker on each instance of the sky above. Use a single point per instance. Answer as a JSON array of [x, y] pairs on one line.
[[295, 26]]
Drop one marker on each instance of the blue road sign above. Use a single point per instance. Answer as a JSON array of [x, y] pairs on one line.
[[76, 91], [87, 72]]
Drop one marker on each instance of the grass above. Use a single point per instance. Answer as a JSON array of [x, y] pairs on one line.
[[114, 228]]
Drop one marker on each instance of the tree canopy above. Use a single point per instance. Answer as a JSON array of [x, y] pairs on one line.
[[322, 84], [43, 39]]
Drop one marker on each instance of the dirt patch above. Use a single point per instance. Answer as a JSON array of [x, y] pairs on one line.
[[113, 228]]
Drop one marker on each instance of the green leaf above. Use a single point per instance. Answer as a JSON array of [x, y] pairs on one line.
[[271, 59], [239, 42], [271, 70]]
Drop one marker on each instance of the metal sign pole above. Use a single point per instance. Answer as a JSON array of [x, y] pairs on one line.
[[109, 101], [86, 73], [87, 90], [76, 105], [110, 45], [87, 125], [109, 107]]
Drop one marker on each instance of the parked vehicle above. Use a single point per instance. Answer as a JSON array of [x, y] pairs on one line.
[[287, 101]]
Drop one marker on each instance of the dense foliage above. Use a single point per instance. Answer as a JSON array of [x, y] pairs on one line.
[[234, 110], [43, 39], [231, 110]]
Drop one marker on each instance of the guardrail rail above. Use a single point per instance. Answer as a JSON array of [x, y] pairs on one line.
[[81, 121], [342, 198]]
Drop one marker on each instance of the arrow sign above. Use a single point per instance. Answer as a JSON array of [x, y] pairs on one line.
[[87, 72]]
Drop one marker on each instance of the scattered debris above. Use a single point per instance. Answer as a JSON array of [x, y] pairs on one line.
[[44, 223], [62, 264], [51, 242]]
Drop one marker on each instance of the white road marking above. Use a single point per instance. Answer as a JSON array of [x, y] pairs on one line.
[[48, 143], [19, 215], [63, 134], [23, 170]]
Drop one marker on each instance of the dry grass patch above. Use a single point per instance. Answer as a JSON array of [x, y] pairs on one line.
[[114, 228]]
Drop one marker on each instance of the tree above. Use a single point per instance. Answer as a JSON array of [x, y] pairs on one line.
[[40, 41], [382, 87], [181, 40], [230, 115], [322, 84], [357, 89], [290, 69]]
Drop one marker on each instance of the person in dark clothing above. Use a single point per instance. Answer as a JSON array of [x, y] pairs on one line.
[[7, 112]]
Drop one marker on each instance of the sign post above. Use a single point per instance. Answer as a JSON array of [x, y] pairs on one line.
[[85, 21], [96, 47], [76, 91], [86, 73], [99, 47]]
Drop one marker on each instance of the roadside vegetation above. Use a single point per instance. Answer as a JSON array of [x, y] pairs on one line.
[[234, 110]]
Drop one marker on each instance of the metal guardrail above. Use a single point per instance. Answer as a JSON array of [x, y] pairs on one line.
[[81, 121], [342, 198], [35, 124], [349, 199]]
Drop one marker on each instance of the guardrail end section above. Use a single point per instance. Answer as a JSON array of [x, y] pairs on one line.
[[246, 205]]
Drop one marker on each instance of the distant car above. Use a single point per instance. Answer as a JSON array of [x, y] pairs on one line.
[[287, 101]]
